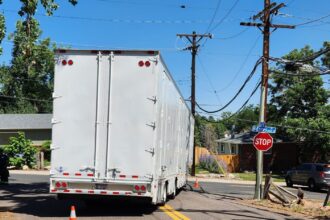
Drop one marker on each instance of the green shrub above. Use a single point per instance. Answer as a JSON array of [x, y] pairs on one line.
[[20, 151], [45, 147]]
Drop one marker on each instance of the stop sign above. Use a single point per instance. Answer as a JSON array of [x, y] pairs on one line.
[[263, 141]]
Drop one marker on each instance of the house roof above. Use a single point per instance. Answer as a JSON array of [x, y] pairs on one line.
[[25, 121], [243, 138]]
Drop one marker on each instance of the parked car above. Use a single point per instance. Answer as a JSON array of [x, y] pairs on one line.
[[313, 175]]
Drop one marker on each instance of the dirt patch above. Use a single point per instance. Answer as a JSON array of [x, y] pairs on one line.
[[7, 216], [312, 209]]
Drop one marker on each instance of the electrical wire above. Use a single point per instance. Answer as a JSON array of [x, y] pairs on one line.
[[209, 80], [224, 17], [238, 92], [242, 65], [214, 15], [313, 21], [25, 98], [300, 75], [231, 36]]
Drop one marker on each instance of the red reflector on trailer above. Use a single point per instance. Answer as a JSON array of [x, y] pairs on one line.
[[77, 174], [54, 190], [122, 176], [135, 177], [115, 193], [91, 191], [127, 193], [66, 190], [70, 62], [103, 192], [141, 63], [65, 174], [147, 63], [79, 191], [64, 62], [90, 174]]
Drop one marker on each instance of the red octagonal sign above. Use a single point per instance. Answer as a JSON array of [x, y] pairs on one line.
[[263, 141]]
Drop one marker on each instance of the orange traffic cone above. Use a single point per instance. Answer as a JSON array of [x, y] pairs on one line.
[[73, 213], [196, 184]]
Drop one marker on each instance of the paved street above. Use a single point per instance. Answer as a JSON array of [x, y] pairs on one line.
[[247, 190], [27, 198]]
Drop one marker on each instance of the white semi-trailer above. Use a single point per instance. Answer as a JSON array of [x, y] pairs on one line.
[[120, 126]]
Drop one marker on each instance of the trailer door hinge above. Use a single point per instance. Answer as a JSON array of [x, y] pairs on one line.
[[54, 121], [53, 147], [153, 125], [151, 150], [56, 96], [154, 59], [149, 176], [153, 99]]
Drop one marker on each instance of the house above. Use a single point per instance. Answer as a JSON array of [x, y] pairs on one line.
[[282, 156], [37, 127]]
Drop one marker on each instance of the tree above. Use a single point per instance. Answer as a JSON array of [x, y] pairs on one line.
[[20, 151], [27, 85], [300, 103]]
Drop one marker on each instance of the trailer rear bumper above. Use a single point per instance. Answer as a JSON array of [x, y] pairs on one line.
[[90, 187]]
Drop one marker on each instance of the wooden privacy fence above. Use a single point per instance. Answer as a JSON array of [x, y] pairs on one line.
[[231, 160]]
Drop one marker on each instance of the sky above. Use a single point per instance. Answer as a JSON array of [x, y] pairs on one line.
[[223, 62]]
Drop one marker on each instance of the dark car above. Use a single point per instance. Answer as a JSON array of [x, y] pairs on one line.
[[313, 175]]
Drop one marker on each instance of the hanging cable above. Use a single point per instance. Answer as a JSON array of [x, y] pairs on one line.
[[239, 91]]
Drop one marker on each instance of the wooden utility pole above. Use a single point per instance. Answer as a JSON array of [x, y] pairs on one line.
[[194, 39], [264, 16]]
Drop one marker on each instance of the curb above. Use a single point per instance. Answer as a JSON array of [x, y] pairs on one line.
[[30, 172]]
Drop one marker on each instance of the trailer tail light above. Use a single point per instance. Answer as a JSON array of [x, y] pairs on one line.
[[61, 185], [57, 184], [140, 188], [141, 63], [147, 63], [143, 188], [137, 188], [64, 62], [70, 62], [322, 174]]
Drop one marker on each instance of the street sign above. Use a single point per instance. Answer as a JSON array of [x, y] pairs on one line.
[[263, 141], [271, 130]]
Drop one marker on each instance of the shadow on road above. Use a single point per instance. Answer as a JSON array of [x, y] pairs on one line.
[[34, 199]]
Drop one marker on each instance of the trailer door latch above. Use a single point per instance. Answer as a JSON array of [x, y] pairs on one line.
[[152, 124]]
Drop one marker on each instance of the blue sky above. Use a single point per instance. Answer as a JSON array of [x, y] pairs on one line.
[[222, 64]]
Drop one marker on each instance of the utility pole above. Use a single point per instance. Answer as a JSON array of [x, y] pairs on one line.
[[194, 39], [264, 16]]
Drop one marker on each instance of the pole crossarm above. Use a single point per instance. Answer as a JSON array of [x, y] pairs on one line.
[[263, 25]]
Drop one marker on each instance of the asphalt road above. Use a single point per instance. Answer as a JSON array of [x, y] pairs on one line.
[[246, 191], [27, 197]]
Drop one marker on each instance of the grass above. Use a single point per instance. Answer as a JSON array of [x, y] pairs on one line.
[[252, 177], [200, 170]]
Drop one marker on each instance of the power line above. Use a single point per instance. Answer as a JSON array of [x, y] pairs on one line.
[[224, 17], [214, 15], [25, 98], [242, 65], [313, 21], [231, 36], [208, 78], [239, 91], [301, 75]]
